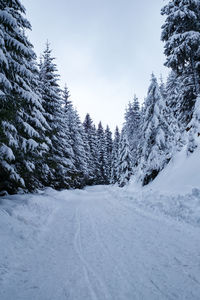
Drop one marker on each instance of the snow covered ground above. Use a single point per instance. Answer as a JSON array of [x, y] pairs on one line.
[[99, 243], [181, 176]]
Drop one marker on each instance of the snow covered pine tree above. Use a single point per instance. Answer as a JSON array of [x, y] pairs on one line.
[[21, 112], [58, 160], [109, 146], [114, 157], [91, 137], [102, 155], [124, 160], [155, 130], [181, 34], [133, 128], [81, 173]]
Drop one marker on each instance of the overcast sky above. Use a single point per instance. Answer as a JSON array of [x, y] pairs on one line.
[[105, 50]]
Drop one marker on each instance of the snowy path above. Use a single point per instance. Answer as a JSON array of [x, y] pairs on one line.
[[98, 246]]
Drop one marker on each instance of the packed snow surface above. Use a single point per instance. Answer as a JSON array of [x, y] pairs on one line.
[[98, 243]]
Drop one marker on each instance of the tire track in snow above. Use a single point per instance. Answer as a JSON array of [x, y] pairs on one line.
[[117, 203], [78, 249], [192, 277], [121, 205], [161, 291], [107, 253], [87, 268], [103, 245]]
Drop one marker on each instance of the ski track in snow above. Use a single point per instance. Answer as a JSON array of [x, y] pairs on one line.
[[98, 245]]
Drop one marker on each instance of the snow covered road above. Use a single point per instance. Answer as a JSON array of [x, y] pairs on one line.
[[97, 245]]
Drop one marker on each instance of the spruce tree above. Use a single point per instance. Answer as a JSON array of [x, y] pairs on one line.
[[81, 174], [181, 34], [114, 157], [102, 155], [175, 138], [58, 161], [92, 154], [65, 154], [155, 130], [133, 124], [124, 160], [194, 129], [109, 146], [21, 112]]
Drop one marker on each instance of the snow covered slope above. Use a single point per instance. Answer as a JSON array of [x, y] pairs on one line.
[[181, 175]]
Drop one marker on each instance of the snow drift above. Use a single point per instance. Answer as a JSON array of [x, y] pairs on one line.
[[181, 174], [175, 192]]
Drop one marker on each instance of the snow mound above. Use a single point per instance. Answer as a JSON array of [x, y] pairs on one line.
[[175, 192], [23, 218], [181, 174], [182, 208]]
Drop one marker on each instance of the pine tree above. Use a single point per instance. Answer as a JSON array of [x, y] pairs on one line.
[[175, 138], [21, 112], [91, 137], [35, 150], [102, 155], [181, 34], [88, 153], [109, 146], [81, 174], [59, 161], [133, 124], [65, 154], [137, 167], [155, 130], [124, 160], [194, 129], [162, 87], [114, 157]]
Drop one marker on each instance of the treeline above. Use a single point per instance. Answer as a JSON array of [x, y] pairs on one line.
[[170, 116], [42, 140]]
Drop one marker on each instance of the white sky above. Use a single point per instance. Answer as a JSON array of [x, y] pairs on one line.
[[105, 50]]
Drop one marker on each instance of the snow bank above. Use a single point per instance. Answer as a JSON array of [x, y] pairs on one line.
[[181, 174], [23, 218], [183, 208], [175, 192]]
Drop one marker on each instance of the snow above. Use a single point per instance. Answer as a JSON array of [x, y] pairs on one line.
[[4, 81], [96, 243], [175, 192], [30, 130], [181, 175], [104, 242], [8, 126], [32, 145], [6, 152], [3, 58], [5, 16]]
